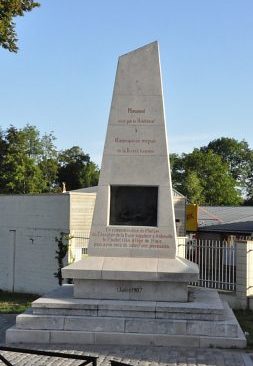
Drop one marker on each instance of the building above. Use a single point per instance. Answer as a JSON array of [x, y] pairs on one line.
[[225, 222], [29, 225]]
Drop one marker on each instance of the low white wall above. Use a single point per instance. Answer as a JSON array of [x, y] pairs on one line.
[[28, 227]]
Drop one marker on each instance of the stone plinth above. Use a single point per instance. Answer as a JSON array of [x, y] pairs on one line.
[[163, 279], [60, 318]]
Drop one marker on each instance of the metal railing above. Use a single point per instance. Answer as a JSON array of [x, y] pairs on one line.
[[86, 360], [216, 261], [78, 245]]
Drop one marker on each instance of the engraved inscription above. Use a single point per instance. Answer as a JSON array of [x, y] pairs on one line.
[[138, 238], [138, 143], [146, 143], [131, 110], [130, 289], [134, 121]]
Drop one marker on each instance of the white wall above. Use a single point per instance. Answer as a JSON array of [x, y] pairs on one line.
[[28, 227], [81, 212]]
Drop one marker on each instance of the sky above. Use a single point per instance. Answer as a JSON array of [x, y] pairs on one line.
[[62, 78]]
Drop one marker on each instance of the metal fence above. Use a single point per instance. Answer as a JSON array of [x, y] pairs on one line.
[[78, 245], [50, 356], [216, 261]]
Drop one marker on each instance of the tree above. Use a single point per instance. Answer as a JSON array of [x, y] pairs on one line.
[[177, 169], [49, 162], [28, 163], [20, 174], [239, 157], [194, 188], [205, 179], [76, 169], [9, 9]]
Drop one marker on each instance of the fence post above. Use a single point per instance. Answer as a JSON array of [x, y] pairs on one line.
[[249, 268], [181, 243], [71, 250], [241, 273]]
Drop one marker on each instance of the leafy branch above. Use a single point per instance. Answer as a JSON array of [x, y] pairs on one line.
[[63, 245]]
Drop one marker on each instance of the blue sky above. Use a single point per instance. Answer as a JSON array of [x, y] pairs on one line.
[[62, 78]]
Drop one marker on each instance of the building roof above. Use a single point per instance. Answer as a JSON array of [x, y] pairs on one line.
[[95, 188], [233, 219]]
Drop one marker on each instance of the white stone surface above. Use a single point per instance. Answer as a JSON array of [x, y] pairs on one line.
[[99, 324], [127, 268], [195, 323], [70, 337], [14, 335], [131, 290], [30, 321], [135, 154], [29, 225], [203, 304]]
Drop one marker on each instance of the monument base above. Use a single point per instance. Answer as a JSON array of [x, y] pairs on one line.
[[125, 278], [60, 318]]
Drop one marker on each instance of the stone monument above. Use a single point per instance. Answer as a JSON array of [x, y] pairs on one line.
[[132, 247], [132, 288]]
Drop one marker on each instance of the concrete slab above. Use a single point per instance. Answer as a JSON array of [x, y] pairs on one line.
[[132, 269], [131, 290]]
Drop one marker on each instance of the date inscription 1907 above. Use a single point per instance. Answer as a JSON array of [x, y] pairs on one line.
[[130, 289]]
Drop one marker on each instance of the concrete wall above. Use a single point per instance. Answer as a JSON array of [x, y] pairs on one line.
[[180, 214], [242, 297], [81, 212], [244, 272], [28, 227]]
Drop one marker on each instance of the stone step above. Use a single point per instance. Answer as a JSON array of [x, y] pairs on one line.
[[202, 305], [138, 313], [17, 336], [127, 325]]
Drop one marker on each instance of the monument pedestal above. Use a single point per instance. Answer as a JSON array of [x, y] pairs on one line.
[[60, 318], [124, 278]]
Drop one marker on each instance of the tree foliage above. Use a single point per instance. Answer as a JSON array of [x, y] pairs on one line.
[[76, 169], [204, 178], [30, 163], [239, 158], [22, 162], [9, 9]]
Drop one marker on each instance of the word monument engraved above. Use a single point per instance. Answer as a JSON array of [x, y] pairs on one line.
[[133, 215]]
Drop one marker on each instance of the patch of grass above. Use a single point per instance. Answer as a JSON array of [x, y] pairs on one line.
[[14, 302], [245, 318]]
